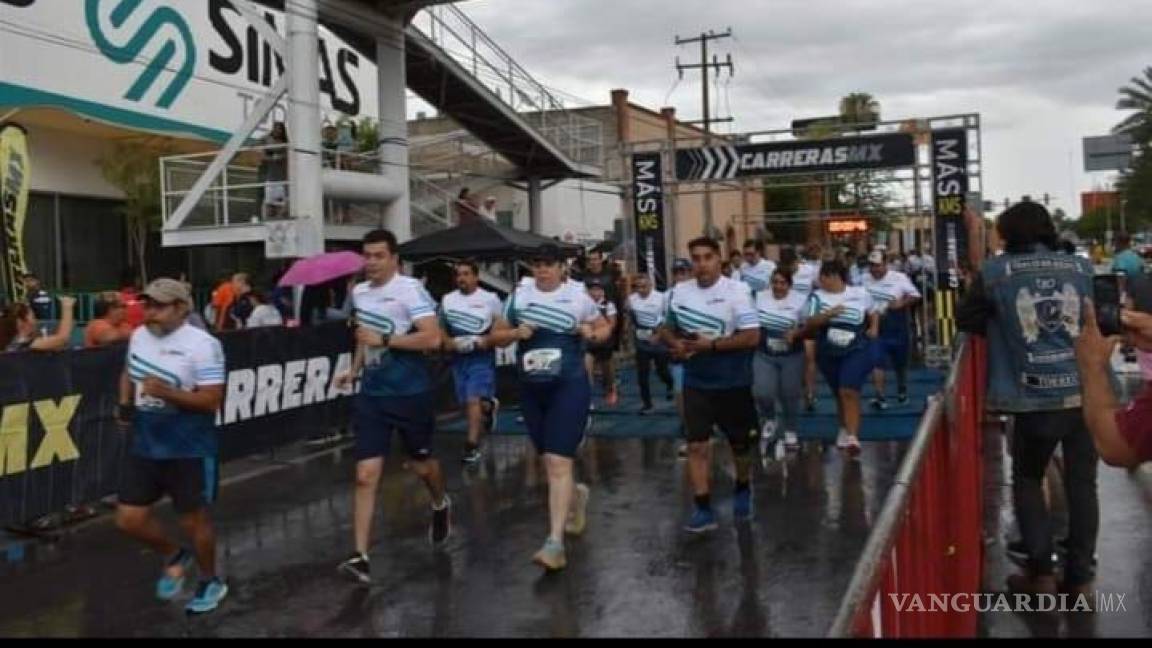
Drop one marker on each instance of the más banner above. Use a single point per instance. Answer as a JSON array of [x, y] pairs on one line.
[[648, 209]]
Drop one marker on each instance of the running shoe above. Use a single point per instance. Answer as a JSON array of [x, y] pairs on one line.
[[742, 505], [169, 586], [842, 439], [551, 556], [441, 527], [702, 520], [682, 451], [578, 517], [853, 447], [357, 567], [767, 437], [471, 457], [645, 409], [879, 404], [209, 593], [492, 415], [791, 441], [902, 398]]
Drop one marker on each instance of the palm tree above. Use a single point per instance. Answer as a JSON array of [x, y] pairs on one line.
[[1138, 97], [859, 108]]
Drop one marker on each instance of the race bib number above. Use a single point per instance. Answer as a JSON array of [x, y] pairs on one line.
[[777, 345], [840, 337], [644, 335], [543, 363]]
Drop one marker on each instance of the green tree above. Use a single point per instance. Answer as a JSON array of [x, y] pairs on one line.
[[859, 108], [1137, 97], [133, 167]]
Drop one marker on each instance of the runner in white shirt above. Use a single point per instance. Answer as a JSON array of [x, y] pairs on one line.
[[756, 271], [169, 394], [804, 281], [894, 296], [466, 314], [842, 319], [711, 325], [779, 360], [552, 321], [395, 327], [646, 309]]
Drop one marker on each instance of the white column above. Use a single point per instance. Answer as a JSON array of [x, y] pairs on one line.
[[394, 126], [305, 194]]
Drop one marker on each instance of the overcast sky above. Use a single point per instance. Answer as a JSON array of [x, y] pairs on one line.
[[1042, 73]]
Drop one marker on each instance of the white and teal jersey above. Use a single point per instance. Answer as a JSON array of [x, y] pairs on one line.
[[759, 276], [778, 317], [892, 286], [556, 350], [185, 359], [470, 314], [845, 332], [806, 277], [648, 312], [393, 308], [720, 310]]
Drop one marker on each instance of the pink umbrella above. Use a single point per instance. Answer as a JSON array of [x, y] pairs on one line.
[[321, 268]]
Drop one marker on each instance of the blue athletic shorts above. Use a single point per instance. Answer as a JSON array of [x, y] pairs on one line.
[[556, 413], [677, 377], [375, 418], [892, 353], [850, 371], [474, 379]]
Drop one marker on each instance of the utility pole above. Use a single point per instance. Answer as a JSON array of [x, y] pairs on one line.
[[704, 65]]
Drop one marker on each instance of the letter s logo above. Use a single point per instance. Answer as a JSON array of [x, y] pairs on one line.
[[130, 51]]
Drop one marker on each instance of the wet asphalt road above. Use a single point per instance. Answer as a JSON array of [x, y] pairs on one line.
[[635, 573]]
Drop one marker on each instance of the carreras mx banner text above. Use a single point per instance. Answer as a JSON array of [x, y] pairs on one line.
[[185, 67]]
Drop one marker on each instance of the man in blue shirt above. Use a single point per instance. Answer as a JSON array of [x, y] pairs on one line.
[[1126, 261]]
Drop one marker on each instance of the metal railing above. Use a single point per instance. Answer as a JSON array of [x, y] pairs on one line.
[[928, 539], [450, 29]]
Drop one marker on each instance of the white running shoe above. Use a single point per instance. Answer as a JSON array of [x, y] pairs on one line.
[[791, 440], [843, 440], [854, 447], [767, 436]]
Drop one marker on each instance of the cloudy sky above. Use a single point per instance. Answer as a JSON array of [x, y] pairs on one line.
[[1042, 73]]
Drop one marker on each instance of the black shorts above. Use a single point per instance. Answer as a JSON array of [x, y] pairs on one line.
[[191, 483], [602, 352], [731, 410], [375, 418]]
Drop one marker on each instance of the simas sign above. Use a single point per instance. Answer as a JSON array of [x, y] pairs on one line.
[[949, 199], [648, 208], [179, 67], [892, 150]]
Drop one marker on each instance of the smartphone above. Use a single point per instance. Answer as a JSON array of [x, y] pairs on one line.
[[1106, 299]]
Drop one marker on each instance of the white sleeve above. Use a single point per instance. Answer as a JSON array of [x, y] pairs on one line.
[[495, 306], [743, 310], [589, 313], [910, 288], [612, 312], [869, 303], [208, 363], [421, 305]]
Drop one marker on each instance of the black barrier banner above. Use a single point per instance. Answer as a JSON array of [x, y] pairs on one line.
[[891, 150], [949, 200], [648, 205]]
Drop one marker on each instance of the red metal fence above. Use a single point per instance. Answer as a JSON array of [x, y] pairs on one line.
[[927, 545]]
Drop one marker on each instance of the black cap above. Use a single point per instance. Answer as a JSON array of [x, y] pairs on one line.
[[549, 253], [594, 282]]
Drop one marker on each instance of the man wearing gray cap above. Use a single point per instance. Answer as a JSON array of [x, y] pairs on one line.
[[170, 390]]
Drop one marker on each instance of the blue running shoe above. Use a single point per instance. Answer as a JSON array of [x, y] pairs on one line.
[[702, 520], [742, 505], [208, 596], [168, 587]]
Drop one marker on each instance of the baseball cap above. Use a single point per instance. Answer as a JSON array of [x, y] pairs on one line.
[[548, 252], [876, 257], [681, 264], [166, 291], [594, 283]]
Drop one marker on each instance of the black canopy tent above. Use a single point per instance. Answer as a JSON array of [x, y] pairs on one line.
[[483, 241]]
